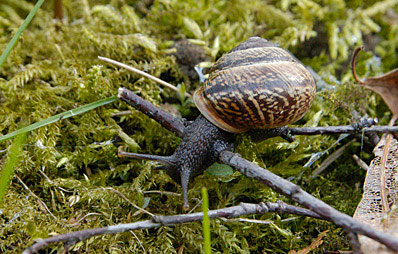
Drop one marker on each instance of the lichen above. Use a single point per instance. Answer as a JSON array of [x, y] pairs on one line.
[[72, 164]]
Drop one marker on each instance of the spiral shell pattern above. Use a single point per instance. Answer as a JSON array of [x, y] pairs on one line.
[[255, 86]]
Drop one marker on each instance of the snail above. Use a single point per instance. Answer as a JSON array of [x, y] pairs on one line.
[[256, 85]]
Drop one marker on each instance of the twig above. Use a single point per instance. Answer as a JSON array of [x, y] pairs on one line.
[[58, 12], [167, 120], [36, 197], [82, 218], [340, 130], [236, 211], [298, 195], [248, 220], [157, 221], [329, 160], [199, 202], [360, 162], [142, 73], [340, 252], [121, 113], [290, 219], [355, 244], [162, 193], [138, 240]]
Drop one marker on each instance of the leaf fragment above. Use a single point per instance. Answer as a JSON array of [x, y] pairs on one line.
[[385, 85], [314, 245]]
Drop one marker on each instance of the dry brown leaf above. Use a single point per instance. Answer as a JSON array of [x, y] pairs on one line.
[[386, 85], [369, 210], [315, 244], [380, 198]]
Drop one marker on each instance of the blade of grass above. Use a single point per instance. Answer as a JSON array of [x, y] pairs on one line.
[[64, 115], [206, 221], [13, 160], [15, 38]]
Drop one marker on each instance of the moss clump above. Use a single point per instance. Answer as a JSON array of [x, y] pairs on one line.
[[72, 164]]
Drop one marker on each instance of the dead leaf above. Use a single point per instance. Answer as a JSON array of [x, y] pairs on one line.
[[386, 85], [370, 210], [315, 244]]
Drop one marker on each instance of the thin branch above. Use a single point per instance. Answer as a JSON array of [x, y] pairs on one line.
[[236, 211], [355, 244], [330, 159], [360, 162], [287, 132], [167, 120], [162, 193], [298, 195], [58, 12], [138, 240], [82, 218], [77, 236], [142, 73], [121, 113], [248, 220], [157, 221], [341, 129]]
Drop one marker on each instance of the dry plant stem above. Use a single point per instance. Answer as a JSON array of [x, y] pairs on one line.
[[81, 219], [298, 195], [248, 220], [330, 159], [157, 221], [58, 12], [35, 196], [354, 56], [341, 129], [144, 74], [138, 240], [360, 162], [383, 189], [167, 120], [288, 133], [236, 211], [355, 244], [383, 164], [163, 193]]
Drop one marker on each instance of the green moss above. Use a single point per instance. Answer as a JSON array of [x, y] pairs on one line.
[[54, 68]]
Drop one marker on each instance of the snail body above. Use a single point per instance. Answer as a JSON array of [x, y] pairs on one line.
[[254, 86]]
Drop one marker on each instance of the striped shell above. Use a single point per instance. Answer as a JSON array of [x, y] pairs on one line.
[[255, 86]]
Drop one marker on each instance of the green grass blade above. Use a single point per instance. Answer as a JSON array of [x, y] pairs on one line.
[[9, 167], [206, 221], [64, 115], [14, 39]]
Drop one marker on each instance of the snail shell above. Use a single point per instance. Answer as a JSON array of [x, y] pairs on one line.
[[255, 86]]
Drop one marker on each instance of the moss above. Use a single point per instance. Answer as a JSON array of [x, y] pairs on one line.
[[54, 68]]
